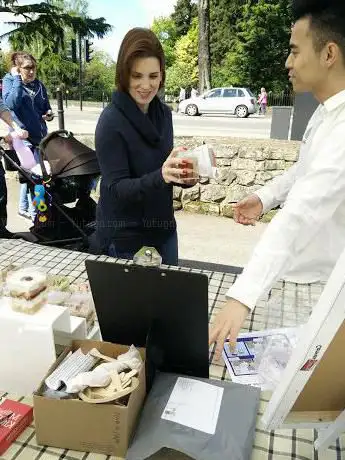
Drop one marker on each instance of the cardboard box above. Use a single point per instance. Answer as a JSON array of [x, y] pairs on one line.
[[15, 417], [77, 425]]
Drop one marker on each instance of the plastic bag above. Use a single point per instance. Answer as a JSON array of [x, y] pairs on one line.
[[100, 376], [80, 304], [206, 160], [234, 434], [273, 357]]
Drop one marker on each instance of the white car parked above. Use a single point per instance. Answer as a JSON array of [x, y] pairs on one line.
[[235, 101]]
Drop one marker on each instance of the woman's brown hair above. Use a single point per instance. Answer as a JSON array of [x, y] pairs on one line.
[[138, 43], [18, 57]]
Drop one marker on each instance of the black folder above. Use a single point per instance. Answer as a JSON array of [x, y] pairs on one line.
[[162, 309]]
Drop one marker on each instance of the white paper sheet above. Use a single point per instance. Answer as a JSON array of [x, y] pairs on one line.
[[194, 404]]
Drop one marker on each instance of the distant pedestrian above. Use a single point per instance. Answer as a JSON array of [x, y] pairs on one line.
[[182, 95], [194, 93], [27, 99], [262, 101]]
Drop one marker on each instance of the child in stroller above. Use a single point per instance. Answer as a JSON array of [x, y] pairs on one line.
[[67, 170]]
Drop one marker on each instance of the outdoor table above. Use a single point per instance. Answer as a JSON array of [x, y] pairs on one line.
[[287, 304]]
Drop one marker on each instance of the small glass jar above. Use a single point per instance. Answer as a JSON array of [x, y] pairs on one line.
[[147, 257]]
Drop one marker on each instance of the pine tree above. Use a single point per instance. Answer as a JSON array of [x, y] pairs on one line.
[[184, 13]]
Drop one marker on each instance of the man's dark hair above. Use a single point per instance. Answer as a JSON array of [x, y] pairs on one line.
[[327, 20]]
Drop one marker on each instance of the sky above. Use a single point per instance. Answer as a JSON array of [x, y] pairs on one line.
[[125, 14], [121, 14]]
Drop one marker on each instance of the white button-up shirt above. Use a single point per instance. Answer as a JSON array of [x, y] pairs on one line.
[[303, 241]]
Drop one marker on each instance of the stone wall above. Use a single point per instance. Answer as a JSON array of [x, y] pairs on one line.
[[244, 166]]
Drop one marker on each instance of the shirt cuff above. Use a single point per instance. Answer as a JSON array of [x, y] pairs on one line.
[[265, 198], [244, 293]]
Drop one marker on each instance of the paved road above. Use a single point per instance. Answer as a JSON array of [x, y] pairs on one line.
[[253, 127]]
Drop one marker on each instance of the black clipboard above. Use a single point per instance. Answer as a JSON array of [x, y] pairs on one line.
[[164, 310]]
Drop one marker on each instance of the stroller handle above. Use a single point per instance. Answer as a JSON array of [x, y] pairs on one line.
[[59, 132]]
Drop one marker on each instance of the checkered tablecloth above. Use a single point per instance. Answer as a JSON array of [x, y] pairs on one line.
[[287, 304]]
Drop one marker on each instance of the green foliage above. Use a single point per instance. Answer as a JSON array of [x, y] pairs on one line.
[[4, 65], [249, 42], [100, 74], [180, 44], [165, 29], [260, 47], [47, 22], [184, 71], [54, 69], [184, 13], [224, 15]]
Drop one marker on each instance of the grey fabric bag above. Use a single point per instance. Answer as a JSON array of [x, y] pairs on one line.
[[157, 438]]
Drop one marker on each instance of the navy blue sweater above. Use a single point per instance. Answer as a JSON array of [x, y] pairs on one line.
[[27, 102], [136, 205]]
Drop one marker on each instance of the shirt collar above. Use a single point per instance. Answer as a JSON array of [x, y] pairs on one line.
[[335, 101]]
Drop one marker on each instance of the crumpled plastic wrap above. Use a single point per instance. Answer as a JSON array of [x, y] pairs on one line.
[[273, 357], [100, 375]]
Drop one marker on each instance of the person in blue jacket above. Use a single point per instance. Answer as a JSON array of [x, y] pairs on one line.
[[27, 99], [134, 147]]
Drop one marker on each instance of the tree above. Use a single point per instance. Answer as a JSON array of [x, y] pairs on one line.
[[55, 71], [48, 23], [184, 71], [4, 64], [165, 29], [224, 16], [184, 13], [99, 75], [77, 7], [259, 51], [204, 45]]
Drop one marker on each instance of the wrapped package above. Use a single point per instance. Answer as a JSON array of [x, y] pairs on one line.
[[27, 289], [159, 438], [205, 158]]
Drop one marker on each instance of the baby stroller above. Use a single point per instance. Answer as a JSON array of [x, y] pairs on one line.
[[68, 170]]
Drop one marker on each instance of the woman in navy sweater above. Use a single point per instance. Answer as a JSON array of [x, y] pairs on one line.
[[134, 146]]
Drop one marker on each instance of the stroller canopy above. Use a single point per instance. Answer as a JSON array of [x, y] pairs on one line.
[[67, 156]]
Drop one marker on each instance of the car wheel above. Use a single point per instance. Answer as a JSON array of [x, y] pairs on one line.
[[192, 110], [242, 111]]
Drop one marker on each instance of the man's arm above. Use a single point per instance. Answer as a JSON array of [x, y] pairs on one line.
[[275, 192], [311, 202]]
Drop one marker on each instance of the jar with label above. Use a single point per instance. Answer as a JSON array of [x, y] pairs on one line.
[[148, 257]]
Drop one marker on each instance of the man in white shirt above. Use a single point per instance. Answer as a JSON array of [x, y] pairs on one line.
[[304, 240]]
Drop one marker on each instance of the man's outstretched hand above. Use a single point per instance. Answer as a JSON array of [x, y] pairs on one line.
[[227, 324], [248, 210]]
